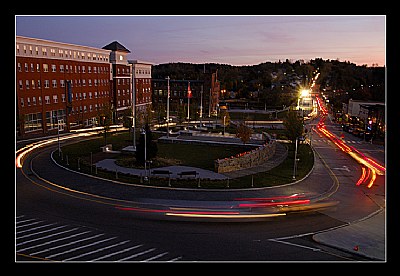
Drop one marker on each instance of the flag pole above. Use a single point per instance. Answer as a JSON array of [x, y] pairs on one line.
[[189, 95], [168, 109]]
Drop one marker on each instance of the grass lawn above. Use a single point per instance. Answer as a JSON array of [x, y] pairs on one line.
[[201, 156]]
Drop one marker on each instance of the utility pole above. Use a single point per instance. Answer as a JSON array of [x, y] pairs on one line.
[[201, 105], [295, 160], [133, 90], [168, 107]]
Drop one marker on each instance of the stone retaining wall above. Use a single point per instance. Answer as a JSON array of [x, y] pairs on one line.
[[247, 159]]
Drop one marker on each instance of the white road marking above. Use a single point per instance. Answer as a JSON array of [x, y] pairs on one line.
[[137, 254], [116, 253], [45, 237], [92, 252], [77, 248], [53, 241]]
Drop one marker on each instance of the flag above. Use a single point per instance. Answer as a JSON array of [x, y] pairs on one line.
[[189, 94]]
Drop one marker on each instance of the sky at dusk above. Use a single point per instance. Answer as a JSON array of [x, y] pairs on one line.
[[234, 40]]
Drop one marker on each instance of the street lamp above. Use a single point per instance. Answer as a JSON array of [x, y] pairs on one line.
[[224, 124], [143, 131], [295, 161]]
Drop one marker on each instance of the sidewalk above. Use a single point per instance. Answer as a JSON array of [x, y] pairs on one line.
[[366, 238], [109, 164]]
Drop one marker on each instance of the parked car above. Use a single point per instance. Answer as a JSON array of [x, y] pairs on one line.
[[356, 131]]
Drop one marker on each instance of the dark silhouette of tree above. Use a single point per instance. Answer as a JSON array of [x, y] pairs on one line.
[[243, 132], [150, 146], [293, 125]]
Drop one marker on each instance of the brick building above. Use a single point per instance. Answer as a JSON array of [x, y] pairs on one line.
[[59, 83], [68, 86]]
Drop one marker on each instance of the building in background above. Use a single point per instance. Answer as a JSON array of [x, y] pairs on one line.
[[141, 87], [67, 86], [121, 89], [205, 93], [59, 85]]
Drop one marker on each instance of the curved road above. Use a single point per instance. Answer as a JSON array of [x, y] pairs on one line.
[[55, 224]]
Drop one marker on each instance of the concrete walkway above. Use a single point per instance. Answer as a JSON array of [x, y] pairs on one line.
[[109, 164], [277, 158]]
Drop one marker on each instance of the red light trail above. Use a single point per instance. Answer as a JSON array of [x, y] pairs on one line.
[[373, 167]]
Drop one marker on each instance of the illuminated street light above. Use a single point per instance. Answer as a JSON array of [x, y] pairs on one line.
[[304, 93]]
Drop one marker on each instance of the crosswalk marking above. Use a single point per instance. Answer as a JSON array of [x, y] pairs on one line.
[[33, 223], [35, 228], [345, 141], [155, 257], [62, 242], [41, 232], [95, 251], [53, 241], [77, 248], [45, 237], [137, 254], [116, 253]]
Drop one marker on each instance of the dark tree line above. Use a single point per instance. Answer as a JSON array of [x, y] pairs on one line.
[[361, 82]]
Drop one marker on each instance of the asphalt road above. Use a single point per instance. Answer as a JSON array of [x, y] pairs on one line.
[[118, 234]]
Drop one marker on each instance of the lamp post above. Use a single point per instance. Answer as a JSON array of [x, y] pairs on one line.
[[295, 161], [133, 101], [201, 105], [224, 124], [145, 153]]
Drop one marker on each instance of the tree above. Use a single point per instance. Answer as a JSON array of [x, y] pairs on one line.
[[243, 132], [105, 119], [150, 146], [293, 125]]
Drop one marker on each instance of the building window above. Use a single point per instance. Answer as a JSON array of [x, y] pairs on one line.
[[54, 82], [47, 99], [53, 68], [27, 84], [45, 67], [32, 122], [46, 84], [55, 99], [22, 102], [26, 67], [20, 84]]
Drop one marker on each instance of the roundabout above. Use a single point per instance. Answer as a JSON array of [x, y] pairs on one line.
[[264, 205]]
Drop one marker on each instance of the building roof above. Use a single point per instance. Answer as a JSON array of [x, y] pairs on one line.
[[116, 46]]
